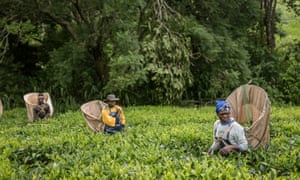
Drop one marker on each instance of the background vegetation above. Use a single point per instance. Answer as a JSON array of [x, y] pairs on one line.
[[160, 142], [147, 52]]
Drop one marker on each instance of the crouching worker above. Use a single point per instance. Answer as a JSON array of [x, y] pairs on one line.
[[42, 109], [229, 136], [113, 116]]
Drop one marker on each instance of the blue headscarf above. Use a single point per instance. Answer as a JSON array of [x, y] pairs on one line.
[[222, 105]]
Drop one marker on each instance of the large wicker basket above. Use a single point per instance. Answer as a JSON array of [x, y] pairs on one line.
[[92, 113], [251, 107]]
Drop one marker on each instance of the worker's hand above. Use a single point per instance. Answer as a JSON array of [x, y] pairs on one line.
[[41, 112], [37, 108], [225, 150], [210, 152]]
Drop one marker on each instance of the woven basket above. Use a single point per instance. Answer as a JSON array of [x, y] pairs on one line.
[[251, 107], [91, 112]]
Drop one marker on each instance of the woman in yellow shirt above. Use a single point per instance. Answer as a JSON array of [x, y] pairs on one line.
[[113, 115]]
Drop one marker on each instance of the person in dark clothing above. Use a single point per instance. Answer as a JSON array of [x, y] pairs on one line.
[[42, 109]]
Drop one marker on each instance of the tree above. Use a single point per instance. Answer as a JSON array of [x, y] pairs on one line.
[[170, 50], [219, 44], [100, 28], [166, 52], [269, 7]]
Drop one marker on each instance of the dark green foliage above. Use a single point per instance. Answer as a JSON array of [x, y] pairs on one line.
[[70, 68], [147, 52], [288, 68], [30, 156], [21, 61], [219, 63]]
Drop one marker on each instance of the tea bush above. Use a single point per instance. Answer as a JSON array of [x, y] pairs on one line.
[[160, 142]]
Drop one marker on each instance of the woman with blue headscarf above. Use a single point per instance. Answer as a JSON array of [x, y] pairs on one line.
[[229, 136]]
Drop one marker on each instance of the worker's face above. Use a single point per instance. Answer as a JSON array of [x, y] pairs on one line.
[[224, 116], [111, 103], [40, 99]]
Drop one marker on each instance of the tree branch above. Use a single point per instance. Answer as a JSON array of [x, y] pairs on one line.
[[65, 24], [79, 11]]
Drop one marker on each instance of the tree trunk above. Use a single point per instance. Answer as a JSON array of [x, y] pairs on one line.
[[269, 7], [100, 63]]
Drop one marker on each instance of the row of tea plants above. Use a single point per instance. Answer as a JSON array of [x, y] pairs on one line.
[[159, 143]]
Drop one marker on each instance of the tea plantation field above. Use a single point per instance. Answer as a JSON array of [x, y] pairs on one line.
[[159, 143]]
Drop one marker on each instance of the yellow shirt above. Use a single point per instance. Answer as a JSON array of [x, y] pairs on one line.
[[107, 117]]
